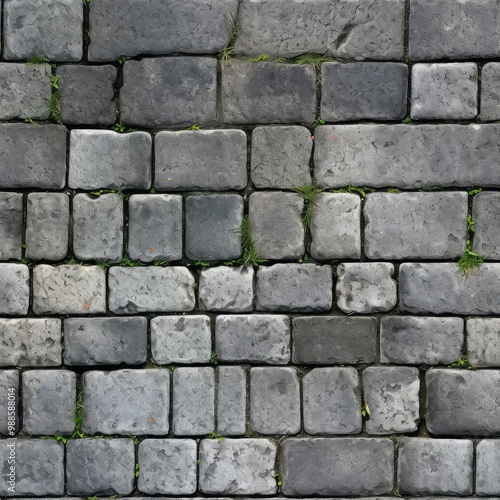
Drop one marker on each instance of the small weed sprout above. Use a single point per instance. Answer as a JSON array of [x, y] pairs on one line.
[[123, 59], [135, 439], [310, 194], [195, 126], [27, 119], [37, 60], [119, 192], [103, 263], [407, 120], [249, 254], [317, 123], [78, 413], [125, 262], [365, 411], [121, 129], [474, 191], [261, 58], [471, 224], [315, 59], [161, 263], [394, 190], [277, 476], [54, 105], [213, 435], [469, 260], [136, 470], [226, 54], [202, 263], [462, 362], [214, 359]]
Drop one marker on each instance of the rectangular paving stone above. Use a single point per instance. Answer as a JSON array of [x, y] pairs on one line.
[[490, 92], [483, 342], [14, 289], [485, 214], [11, 226], [487, 467], [9, 402], [343, 466], [231, 400]]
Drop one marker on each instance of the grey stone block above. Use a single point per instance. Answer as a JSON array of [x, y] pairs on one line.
[[86, 94], [231, 400], [107, 159], [11, 226], [52, 28], [277, 228], [9, 402], [328, 340], [152, 289], [105, 341], [100, 466], [267, 92], [410, 340], [181, 339], [415, 225], [30, 342], [212, 226], [323, 466], [490, 92], [435, 467], [193, 404], [366, 287], [237, 467], [14, 289], [335, 227], [169, 91], [192, 160], [487, 467], [126, 402], [47, 226], [363, 91], [345, 30], [443, 289], [34, 156], [124, 27], [483, 342], [69, 290], [254, 338], [332, 401], [274, 400], [280, 157], [485, 213], [444, 91]]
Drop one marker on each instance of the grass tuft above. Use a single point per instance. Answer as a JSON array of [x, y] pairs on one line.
[[462, 362], [78, 413], [309, 193], [469, 259], [249, 255], [315, 59], [37, 60]]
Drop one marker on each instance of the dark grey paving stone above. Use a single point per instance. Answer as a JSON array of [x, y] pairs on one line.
[[485, 213], [490, 92], [231, 400], [483, 342], [11, 226], [14, 289], [9, 402], [487, 467]]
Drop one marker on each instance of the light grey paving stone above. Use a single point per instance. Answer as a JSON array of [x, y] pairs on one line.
[[327, 340], [193, 404], [107, 159], [366, 287], [415, 225], [49, 28], [39, 467], [485, 214], [47, 226], [332, 401], [231, 400], [169, 91], [253, 338], [294, 288], [200, 160], [490, 92], [411, 340], [267, 92], [152, 289], [335, 226], [30, 342], [69, 289], [359, 91], [237, 467], [407, 156], [435, 466], [126, 402], [9, 402], [213, 223], [274, 400], [487, 467], [280, 157], [86, 94], [345, 30], [14, 289], [11, 226], [167, 466], [463, 402], [483, 342], [181, 339], [34, 156], [443, 289], [343, 466], [100, 466], [277, 228], [98, 227], [124, 27], [105, 341], [444, 91]]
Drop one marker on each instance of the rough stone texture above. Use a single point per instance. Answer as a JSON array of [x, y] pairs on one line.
[[281, 235], [332, 401], [152, 289], [483, 342], [409, 340], [359, 91], [415, 225], [14, 289], [267, 92], [126, 402], [444, 91], [294, 287], [366, 287], [200, 160], [435, 467], [253, 338], [487, 467], [231, 400], [11, 226], [485, 213], [490, 91], [106, 159], [105, 341], [349, 29], [343, 466], [237, 467], [169, 91], [9, 394], [69, 290]]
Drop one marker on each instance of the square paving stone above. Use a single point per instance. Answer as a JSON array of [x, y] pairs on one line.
[[14, 289], [9, 402], [486, 216], [483, 342], [490, 92], [11, 226], [231, 400], [488, 467]]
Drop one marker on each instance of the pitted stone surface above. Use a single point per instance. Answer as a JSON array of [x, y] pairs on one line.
[[485, 214], [483, 342], [490, 91], [487, 467], [14, 289], [231, 400], [11, 226], [9, 394]]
